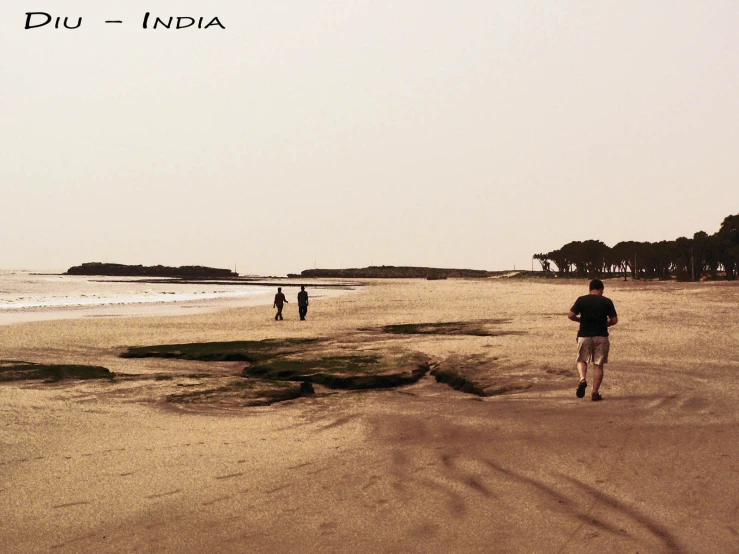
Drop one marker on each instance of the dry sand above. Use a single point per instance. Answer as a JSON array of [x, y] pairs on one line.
[[109, 467]]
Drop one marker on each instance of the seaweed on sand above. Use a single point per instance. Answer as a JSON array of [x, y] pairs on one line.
[[234, 351], [476, 328], [363, 371], [22, 371], [241, 392], [481, 376]]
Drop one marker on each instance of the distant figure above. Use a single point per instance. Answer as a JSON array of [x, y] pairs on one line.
[[279, 301], [302, 302], [595, 313]]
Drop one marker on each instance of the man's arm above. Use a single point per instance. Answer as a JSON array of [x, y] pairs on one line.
[[612, 316], [574, 317]]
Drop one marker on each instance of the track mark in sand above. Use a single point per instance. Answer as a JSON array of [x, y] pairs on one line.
[[338, 422], [127, 474], [229, 476], [664, 536], [300, 465], [8, 462], [170, 493], [69, 504], [78, 539], [211, 502], [372, 482], [618, 455], [272, 491], [476, 484], [328, 526]]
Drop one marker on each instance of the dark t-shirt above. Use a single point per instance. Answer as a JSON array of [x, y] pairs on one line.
[[303, 298], [279, 299], [594, 311]]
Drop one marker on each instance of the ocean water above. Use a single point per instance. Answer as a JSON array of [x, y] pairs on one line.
[[49, 296]]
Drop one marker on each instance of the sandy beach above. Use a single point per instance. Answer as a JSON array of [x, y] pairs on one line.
[[111, 466]]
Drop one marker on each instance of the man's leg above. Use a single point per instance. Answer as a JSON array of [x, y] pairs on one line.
[[584, 354], [600, 357], [598, 379], [582, 370]]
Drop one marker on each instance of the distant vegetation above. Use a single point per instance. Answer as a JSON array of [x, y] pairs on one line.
[[703, 255], [399, 272], [121, 270]]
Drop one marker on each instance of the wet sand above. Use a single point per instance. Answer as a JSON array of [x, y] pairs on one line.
[[110, 467]]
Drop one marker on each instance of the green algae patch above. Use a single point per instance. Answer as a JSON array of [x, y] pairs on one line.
[[27, 371], [305, 361], [240, 392], [476, 328], [374, 370], [234, 351]]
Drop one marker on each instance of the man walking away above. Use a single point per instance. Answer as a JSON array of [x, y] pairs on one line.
[[279, 301], [595, 313], [302, 302]]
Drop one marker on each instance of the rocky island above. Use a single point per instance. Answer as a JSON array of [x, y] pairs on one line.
[[122, 270]]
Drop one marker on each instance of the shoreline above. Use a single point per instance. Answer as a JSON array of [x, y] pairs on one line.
[[163, 307]]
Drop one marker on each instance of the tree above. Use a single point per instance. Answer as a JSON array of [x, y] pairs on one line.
[[686, 258], [728, 245]]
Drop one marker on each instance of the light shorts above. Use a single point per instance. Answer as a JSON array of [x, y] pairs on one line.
[[593, 349]]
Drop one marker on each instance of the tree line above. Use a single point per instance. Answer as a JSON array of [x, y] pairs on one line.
[[701, 256]]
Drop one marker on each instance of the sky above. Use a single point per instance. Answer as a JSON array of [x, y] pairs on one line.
[[348, 133]]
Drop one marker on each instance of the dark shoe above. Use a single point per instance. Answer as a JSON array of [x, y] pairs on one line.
[[581, 389], [596, 396]]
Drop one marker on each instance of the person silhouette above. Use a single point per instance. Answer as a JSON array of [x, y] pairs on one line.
[[302, 302], [278, 303]]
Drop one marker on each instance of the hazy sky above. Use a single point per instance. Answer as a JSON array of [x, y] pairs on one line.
[[354, 132]]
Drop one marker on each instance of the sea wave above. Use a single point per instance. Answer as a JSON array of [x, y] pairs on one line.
[[28, 291]]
